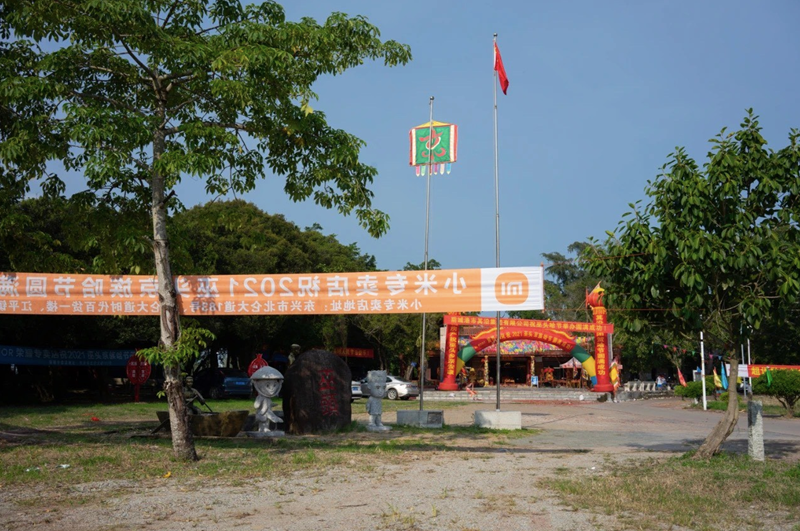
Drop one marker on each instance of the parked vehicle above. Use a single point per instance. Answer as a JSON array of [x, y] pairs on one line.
[[396, 387], [219, 383], [355, 390]]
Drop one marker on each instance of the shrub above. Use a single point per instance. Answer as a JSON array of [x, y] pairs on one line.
[[785, 387], [695, 389]]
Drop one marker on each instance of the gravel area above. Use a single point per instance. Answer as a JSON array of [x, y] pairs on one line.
[[476, 487]]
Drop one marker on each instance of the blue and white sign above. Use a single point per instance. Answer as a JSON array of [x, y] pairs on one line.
[[63, 357]]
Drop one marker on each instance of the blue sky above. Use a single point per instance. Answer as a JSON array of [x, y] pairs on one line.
[[600, 94]]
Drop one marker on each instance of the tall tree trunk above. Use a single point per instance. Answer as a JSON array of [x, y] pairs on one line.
[[728, 422], [182, 440]]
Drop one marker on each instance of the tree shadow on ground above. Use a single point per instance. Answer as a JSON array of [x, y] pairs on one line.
[[774, 449]]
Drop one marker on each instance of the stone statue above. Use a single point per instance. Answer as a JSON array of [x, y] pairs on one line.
[[293, 353], [377, 389], [192, 395], [267, 382]]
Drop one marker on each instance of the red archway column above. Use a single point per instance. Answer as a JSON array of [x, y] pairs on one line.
[[448, 382], [604, 384]]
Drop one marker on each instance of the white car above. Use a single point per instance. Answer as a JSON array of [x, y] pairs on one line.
[[395, 388], [355, 390]]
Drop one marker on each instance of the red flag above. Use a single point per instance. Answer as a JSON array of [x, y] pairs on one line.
[[501, 71], [680, 379]]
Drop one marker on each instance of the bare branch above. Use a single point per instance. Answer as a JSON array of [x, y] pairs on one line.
[[178, 75], [118, 73], [138, 61], [184, 104], [169, 14], [179, 80], [112, 101], [238, 127], [207, 30]]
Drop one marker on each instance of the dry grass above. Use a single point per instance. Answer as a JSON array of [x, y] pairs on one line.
[[57, 445], [728, 492]]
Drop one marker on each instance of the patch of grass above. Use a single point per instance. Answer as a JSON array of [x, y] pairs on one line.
[[767, 409], [107, 415], [305, 458], [726, 492], [389, 406], [466, 431], [397, 519], [37, 440]]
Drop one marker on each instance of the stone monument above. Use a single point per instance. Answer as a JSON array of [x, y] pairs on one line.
[[316, 393], [267, 382], [755, 430], [377, 389]]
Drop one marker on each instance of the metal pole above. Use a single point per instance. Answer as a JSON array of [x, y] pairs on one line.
[[749, 380], [496, 221], [703, 370], [736, 378], [427, 231]]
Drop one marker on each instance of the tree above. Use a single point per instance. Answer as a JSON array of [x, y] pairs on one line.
[[50, 235], [717, 248], [784, 385], [565, 294], [236, 238], [138, 95], [776, 341], [432, 264]]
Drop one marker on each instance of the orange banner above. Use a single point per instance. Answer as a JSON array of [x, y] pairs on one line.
[[354, 352], [432, 291], [564, 326], [754, 371]]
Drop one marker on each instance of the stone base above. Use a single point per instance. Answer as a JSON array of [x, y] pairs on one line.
[[221, 424], [374, 428], [265, 434], [755, 429], [499, 420], [421, 419]]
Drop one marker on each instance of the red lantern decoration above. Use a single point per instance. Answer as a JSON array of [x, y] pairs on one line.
[[256, 364], [138, 371]]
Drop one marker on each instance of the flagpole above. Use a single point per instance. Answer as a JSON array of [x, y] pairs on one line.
[[427, 231], [703, 370], [749, 380], [496, 219]]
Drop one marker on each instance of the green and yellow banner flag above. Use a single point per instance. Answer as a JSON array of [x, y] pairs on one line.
[[717, 381], [434, 143]]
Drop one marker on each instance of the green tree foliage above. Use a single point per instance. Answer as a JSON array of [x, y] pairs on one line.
[[136, 96], [432, 264], [716, 249], [52, 235], [695, 389], [785, 387], [227, 237], [777, 341], [237, 238], [565, 290], [397, 338]]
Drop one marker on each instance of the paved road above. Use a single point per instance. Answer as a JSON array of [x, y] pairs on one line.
[[662, 425]]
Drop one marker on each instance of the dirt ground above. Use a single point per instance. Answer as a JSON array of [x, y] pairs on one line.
[[475, 487]]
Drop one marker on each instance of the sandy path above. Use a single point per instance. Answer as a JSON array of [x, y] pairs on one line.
[[477, 487]]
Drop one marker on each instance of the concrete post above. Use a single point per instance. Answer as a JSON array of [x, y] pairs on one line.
[[755, 431]]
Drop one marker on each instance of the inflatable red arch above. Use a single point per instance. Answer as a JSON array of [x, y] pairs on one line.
[[552, 332]]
